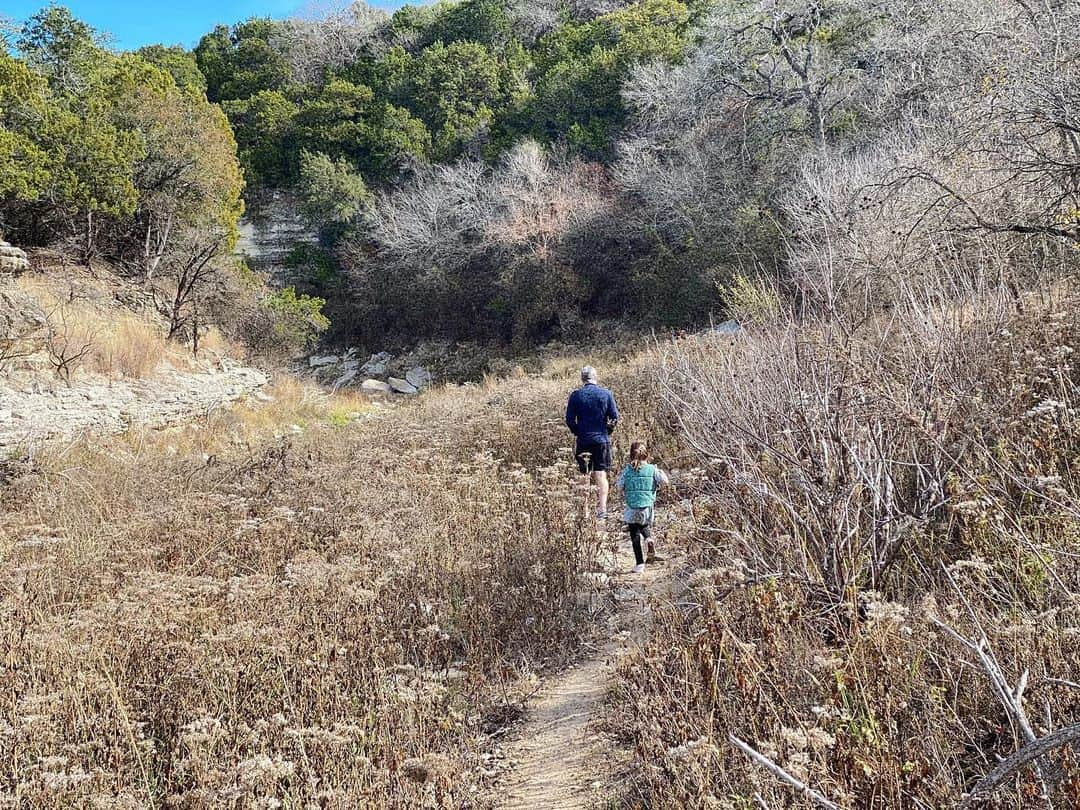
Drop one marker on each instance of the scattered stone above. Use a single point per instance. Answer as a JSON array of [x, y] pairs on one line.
[[319, 362], [402, 386], [375, 387], [351, 365], [419, 377]]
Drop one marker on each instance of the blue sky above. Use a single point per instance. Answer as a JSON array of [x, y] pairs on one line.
[[134, 23]]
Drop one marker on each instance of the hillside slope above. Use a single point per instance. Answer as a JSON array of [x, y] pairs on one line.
[[84, 351]]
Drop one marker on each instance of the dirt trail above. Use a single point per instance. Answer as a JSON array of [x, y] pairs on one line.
[[562, 760]]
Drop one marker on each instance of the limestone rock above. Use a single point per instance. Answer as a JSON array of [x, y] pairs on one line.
[[319, 362], [729, 328], [375, 387], [419, 377], [12, 259], [20, 316], [402, 386]]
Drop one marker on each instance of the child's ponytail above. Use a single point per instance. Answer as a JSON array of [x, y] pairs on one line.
[[639, 454]]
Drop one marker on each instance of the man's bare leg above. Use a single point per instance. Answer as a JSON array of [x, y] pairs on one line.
[[600, 480]]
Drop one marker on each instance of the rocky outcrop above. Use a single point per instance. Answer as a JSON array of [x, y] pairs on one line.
[[20, 317], [35, 414], [12, 259], [270, 230]]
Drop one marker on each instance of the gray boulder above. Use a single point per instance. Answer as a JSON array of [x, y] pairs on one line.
[[419, 377], [728, 328], [402, 386], [319, 362]]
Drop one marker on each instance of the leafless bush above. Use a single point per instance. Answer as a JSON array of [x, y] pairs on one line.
[[464, 243], [839, 439], [329, 36], [70, 341]]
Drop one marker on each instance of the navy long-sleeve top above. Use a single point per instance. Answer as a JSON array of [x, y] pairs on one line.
[[591, 413]]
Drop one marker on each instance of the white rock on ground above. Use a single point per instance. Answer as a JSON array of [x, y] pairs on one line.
[[375, 387], [99, 406]]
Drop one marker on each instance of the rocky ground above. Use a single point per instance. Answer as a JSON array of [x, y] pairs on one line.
[[37, 406], [34, 412]]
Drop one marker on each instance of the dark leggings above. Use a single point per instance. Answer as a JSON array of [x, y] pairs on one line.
[[638, 532]]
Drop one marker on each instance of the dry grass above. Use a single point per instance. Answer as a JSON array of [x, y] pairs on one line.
[[846, 468], [86, 335], [283, 606], [128, 346]]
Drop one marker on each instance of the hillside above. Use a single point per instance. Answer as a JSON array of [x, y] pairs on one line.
[[289, 510]]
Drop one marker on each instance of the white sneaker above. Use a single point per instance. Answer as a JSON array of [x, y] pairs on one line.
[[639, 568]]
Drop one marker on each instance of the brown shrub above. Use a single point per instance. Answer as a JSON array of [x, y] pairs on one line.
[[845, 468]]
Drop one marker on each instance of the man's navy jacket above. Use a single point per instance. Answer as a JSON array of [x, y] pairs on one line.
[[591, 414]]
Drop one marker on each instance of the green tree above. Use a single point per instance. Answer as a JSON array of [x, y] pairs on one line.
[[265, 132], [24, 165], [241, 61], [581, 66], [346, 120], [188, 179], [484, 21], [60, 47], [179, 63], [331, 191], [454, 89]]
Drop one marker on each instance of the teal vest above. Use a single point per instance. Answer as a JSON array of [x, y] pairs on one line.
[[640, 486]]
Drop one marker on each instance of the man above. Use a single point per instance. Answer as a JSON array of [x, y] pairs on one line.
[[591, 416]]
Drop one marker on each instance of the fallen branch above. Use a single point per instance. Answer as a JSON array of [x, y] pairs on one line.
[[1029, 753], [781, 774]]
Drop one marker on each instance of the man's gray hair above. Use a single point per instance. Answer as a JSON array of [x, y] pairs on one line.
[[588, 374]]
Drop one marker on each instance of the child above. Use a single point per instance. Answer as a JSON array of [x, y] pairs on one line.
[[639, 482]]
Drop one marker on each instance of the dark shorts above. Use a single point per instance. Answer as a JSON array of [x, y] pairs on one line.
[[593, 457]]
